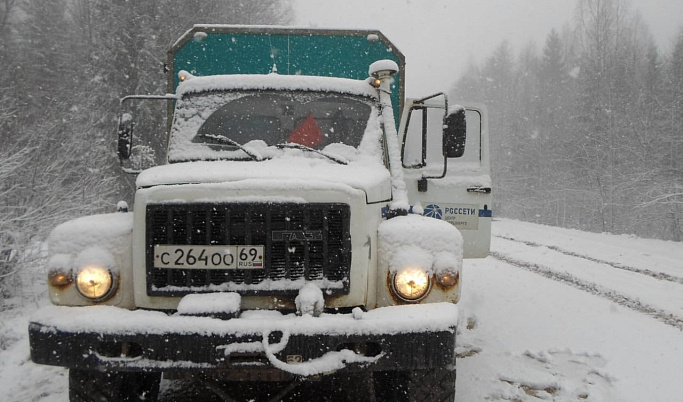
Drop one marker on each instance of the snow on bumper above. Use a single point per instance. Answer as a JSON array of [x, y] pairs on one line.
[[105, 337]]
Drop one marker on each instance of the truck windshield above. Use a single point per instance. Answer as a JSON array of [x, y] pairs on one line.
[[264, 119]]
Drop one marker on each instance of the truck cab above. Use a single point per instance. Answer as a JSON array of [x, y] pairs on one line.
[[296, 230]]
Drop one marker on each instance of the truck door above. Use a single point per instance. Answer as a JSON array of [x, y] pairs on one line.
[[454, 189]]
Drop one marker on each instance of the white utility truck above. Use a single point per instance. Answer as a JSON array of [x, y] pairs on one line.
[[309, 223]]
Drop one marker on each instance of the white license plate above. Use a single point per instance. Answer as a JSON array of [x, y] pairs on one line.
[[208, 257]]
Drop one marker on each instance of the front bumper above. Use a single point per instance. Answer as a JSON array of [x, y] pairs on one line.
[[110, 338]]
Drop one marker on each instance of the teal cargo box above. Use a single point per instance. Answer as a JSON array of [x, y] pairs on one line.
[[233, 49]]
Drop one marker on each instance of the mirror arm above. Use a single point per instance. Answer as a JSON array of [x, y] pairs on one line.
[[426, 98], [131, 97], [129, 170], [422, 183]]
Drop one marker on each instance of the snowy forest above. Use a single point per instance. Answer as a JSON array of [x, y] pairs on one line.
[[587, 132], [66, 64]]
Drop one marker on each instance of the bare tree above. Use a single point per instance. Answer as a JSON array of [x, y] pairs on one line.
[[587, 134], [71, 61]]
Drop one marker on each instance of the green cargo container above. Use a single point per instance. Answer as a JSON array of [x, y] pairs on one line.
[[233, 49]]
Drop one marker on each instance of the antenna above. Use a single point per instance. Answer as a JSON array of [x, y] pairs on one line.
[[272, 54]]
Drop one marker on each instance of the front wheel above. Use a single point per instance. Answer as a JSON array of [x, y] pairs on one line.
[[110, 386], [434, 385]]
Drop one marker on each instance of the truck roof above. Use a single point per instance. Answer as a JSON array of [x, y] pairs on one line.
[[240, 49], [275, 82]]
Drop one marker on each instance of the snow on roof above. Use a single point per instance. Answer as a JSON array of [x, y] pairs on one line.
[[271, 28], [283, 27], [197, 84]]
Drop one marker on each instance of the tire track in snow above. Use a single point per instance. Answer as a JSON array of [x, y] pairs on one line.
[[593, 288], [647, 272]]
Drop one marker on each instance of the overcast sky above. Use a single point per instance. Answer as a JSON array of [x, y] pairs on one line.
[[440, 37]]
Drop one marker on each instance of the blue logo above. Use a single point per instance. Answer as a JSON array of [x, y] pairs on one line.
[[433, 211]]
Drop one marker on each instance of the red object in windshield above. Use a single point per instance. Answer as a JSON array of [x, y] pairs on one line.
[[308, 133]]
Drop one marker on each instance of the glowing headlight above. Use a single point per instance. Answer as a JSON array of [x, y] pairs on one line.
[[411, 284], [94, 282]]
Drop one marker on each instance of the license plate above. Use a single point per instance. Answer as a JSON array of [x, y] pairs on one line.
[[208, 257]]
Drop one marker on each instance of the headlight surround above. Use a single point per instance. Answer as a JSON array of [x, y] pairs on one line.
[[411, 284], [95, 282]]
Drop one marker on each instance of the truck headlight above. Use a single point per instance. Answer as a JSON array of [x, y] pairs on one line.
[[95, 282], [411, 284]]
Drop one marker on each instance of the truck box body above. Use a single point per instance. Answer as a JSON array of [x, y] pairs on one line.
[[219, 49]]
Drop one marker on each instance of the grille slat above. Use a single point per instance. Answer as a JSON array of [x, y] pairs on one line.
[[283, 230]]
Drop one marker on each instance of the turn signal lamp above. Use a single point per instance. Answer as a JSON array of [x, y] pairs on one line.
[[411, 283], [59, 278], [447, 279], [95, 282]]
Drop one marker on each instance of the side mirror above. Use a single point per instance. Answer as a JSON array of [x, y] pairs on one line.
[[454, 134], [126, 125], [142, 157]]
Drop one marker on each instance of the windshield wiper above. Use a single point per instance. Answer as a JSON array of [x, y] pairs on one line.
[[294, 145], [225, 140]]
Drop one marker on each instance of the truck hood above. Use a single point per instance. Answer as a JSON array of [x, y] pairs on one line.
[[371, 178]]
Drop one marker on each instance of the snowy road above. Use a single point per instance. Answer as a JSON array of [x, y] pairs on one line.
[[566, 315], [553, 314]]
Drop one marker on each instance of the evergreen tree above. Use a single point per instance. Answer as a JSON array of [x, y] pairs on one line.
[[70, 62], [672, 194], [591, 128]]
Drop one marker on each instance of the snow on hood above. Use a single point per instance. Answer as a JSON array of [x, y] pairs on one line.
[[79, 234], [371, 178], [430, 243]]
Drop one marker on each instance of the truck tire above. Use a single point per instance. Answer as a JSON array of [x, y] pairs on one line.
[[110, 386], [434, 385]]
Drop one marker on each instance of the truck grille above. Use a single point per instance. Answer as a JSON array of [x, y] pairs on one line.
[[324, 257]]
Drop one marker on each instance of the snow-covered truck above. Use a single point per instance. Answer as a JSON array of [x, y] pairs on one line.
[[309, 223]]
